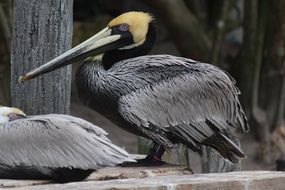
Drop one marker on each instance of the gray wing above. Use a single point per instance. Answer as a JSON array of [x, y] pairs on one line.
[[194, 105], [57, 141], [80, 122]]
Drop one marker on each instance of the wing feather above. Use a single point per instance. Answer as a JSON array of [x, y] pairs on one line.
[[205, 94], [185, 102], [57, 141]]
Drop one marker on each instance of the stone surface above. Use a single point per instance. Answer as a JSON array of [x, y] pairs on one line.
[[19, 183], [107, 174], [142, 172], [161, 178]]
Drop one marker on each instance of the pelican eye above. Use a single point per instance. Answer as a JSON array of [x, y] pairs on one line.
[[14, 116], [124, 27]]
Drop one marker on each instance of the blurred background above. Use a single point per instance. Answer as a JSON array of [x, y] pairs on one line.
[[245, 38]]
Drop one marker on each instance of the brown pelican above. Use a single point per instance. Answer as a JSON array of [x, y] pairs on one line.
[[164, 98], [57, 147]]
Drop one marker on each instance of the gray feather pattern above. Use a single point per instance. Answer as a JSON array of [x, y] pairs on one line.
[[57, 141], [171, 93], [186, 98], [190, 98]]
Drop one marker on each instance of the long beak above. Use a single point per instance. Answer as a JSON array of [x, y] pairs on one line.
[[99, 43]]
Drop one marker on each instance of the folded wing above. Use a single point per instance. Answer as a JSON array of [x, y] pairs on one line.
[[199, 106], [57, 141]]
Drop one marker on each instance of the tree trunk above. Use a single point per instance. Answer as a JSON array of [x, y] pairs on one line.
[[220, 31], [255, 19], [279, 58], [188, 34], [42, 30], [248, 52], [279, 120], [272, 67], [258, 116]]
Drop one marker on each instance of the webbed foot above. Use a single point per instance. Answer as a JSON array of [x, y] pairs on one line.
[[145, 162]]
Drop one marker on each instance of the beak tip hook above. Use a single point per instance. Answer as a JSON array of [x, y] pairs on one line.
[[21, 79]]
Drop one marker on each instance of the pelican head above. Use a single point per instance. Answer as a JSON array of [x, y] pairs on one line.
[[10, 114], [127, 35]]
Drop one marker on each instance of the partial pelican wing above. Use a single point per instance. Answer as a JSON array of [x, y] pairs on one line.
[[57, 141], [196, 106]]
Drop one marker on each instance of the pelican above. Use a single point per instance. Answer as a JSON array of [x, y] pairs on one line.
[[164, 98], [58, 147]]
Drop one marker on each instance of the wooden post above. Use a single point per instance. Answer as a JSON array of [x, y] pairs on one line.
[[213, 162], [42, 30]]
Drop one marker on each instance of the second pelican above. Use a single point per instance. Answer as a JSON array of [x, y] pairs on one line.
[[57, 147]]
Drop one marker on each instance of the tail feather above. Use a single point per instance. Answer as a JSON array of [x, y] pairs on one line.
[[242, 119], [225, 147]]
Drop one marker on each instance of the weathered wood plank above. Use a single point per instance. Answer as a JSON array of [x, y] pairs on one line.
[[110, 173], [42, 30], [247, 180], [142, 172]]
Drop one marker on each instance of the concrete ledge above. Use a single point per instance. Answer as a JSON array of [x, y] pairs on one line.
[[246, 180]]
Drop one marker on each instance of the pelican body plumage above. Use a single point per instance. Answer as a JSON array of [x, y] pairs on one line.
[[57, 147], [164, 98]]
